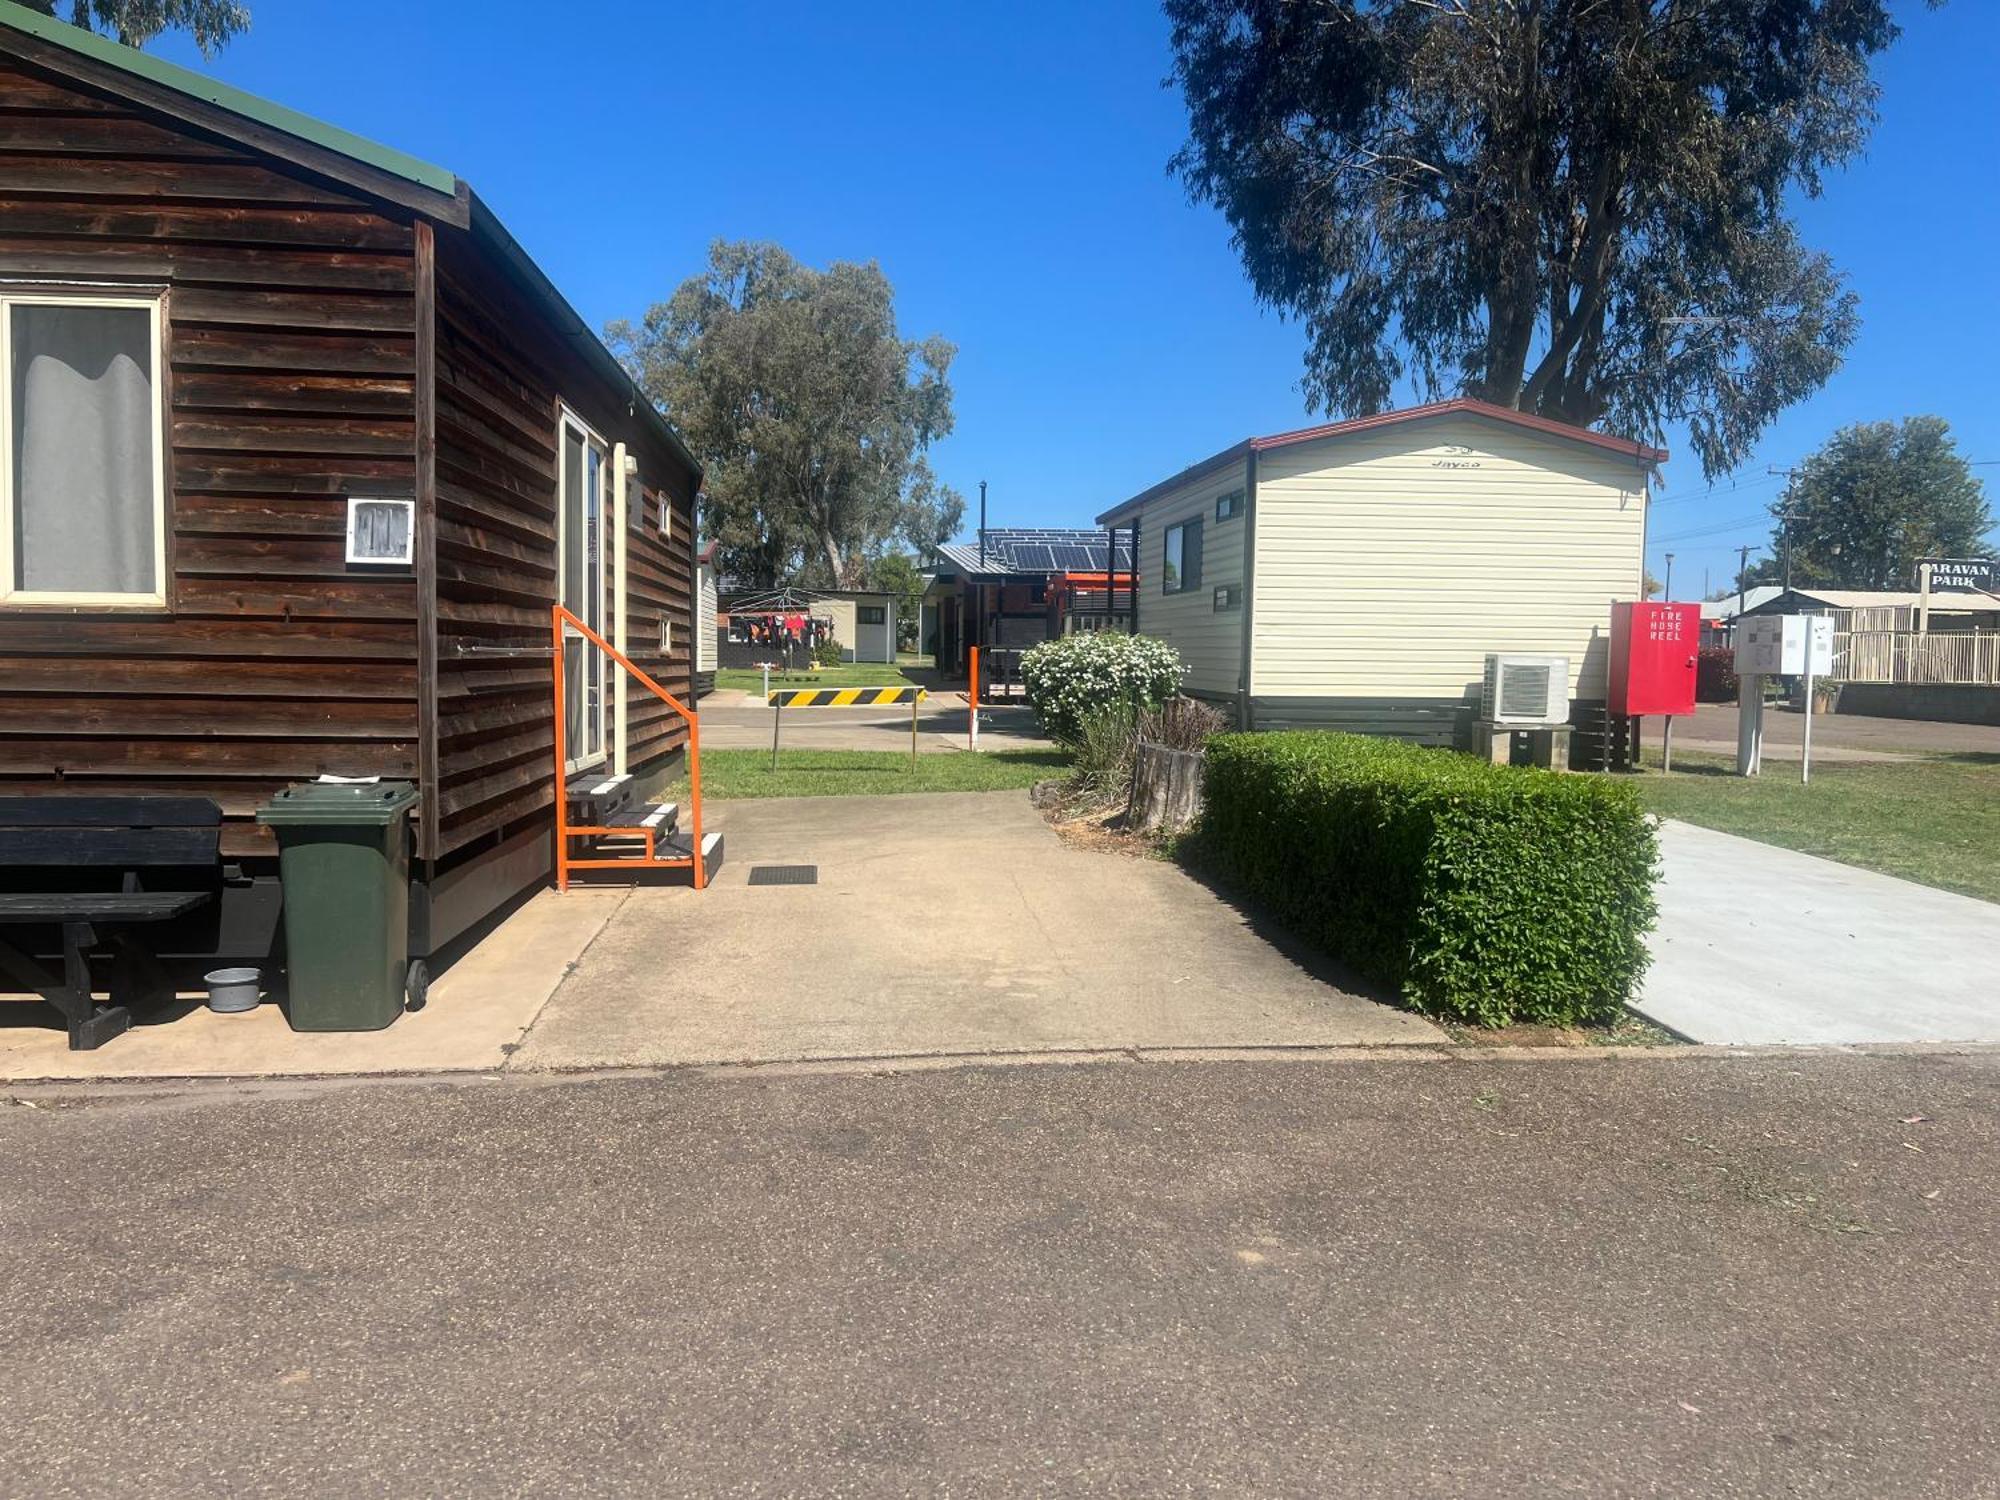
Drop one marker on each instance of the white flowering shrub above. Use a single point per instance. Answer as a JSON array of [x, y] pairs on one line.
[[1077, 677]]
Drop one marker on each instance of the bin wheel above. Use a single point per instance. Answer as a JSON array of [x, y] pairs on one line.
[[417, 985]]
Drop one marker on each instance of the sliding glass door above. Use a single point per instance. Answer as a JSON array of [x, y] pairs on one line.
[[581, 545]]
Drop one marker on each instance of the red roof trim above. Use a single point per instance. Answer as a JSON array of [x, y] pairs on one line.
[[1642, 453], [1470, 407]]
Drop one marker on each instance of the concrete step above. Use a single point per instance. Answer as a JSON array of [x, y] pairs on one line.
[[662, 816], [595, 798], [681, 846]]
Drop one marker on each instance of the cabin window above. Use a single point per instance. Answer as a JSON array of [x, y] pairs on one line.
[[582, 558], [82, 465], [1228, 507], [1182, 568], [871, 614]]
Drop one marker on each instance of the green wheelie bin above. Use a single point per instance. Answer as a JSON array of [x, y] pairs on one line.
[[344, 861]]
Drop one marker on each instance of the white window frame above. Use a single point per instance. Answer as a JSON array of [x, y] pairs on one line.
[[1179, 582], [409, 509], [610, 534], [31, 598]]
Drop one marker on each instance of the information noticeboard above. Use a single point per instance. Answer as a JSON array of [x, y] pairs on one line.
[[1784, 645]]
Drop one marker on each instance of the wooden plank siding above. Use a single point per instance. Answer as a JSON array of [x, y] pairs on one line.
[[322, 342], [289, 347], [504, 371]]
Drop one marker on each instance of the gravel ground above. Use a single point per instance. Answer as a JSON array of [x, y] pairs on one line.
[[1503, 1275]]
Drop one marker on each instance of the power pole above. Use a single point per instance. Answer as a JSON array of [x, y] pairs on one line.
[[1785, 527], [1667, 588], [1742, 580]]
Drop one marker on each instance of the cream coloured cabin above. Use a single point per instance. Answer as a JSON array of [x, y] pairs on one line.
[[1355, 575]]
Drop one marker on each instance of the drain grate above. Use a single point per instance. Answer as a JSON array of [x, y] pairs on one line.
[[784, 875]]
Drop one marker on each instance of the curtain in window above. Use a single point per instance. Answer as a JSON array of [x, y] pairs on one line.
[[83, 419]]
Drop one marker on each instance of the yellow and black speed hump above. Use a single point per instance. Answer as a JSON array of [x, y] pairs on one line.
[[781, 699]]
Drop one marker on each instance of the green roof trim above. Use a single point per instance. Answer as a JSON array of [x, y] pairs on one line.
[[222, 96], [462, 211]]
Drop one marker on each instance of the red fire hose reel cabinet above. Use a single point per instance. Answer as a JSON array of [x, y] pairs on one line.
[[1653, 649]]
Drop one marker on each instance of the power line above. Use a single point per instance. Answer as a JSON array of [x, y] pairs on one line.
[[1681, 496], [1711, 530]]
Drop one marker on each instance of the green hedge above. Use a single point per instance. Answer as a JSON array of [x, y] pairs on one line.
[[1482, 893]]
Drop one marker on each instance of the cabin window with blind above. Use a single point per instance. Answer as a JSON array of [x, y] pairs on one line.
[[82, 461]]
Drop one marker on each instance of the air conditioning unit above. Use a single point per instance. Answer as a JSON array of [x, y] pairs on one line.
[[1524, 690]]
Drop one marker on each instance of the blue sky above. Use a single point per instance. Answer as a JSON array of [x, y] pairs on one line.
[[1006, 165]]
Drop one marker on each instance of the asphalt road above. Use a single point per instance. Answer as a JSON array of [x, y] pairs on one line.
[[1668, 1275]]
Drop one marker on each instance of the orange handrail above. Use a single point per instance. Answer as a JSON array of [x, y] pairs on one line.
[[558, 616]]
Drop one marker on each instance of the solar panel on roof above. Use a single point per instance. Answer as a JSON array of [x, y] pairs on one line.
[[1030, 557]]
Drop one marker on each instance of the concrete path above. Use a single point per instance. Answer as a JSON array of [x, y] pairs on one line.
[[745, 724], [1493, 1277], [1761, 944], [940, 924], [479, 1009]]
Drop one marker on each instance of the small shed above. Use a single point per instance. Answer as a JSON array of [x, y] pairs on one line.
[[1355, 575], [303, 448]]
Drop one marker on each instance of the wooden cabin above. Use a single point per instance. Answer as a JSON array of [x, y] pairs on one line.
[[300, 449]]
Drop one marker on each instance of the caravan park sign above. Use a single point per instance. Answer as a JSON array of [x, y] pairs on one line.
[[1975, 574]]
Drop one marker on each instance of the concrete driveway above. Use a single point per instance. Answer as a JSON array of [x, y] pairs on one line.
[[1761, 944], [939, 925]]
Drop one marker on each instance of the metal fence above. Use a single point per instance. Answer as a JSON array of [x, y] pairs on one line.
[[1935, 656]]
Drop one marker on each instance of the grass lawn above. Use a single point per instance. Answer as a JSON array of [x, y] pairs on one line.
[[871, 773], [1934, 821], [847, 674]]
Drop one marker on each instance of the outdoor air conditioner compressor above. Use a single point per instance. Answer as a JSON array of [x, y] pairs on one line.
[[1524, 691]]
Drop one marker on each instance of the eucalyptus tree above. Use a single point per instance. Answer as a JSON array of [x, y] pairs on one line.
[[137, 22], [812, 414], [1578, 208]]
